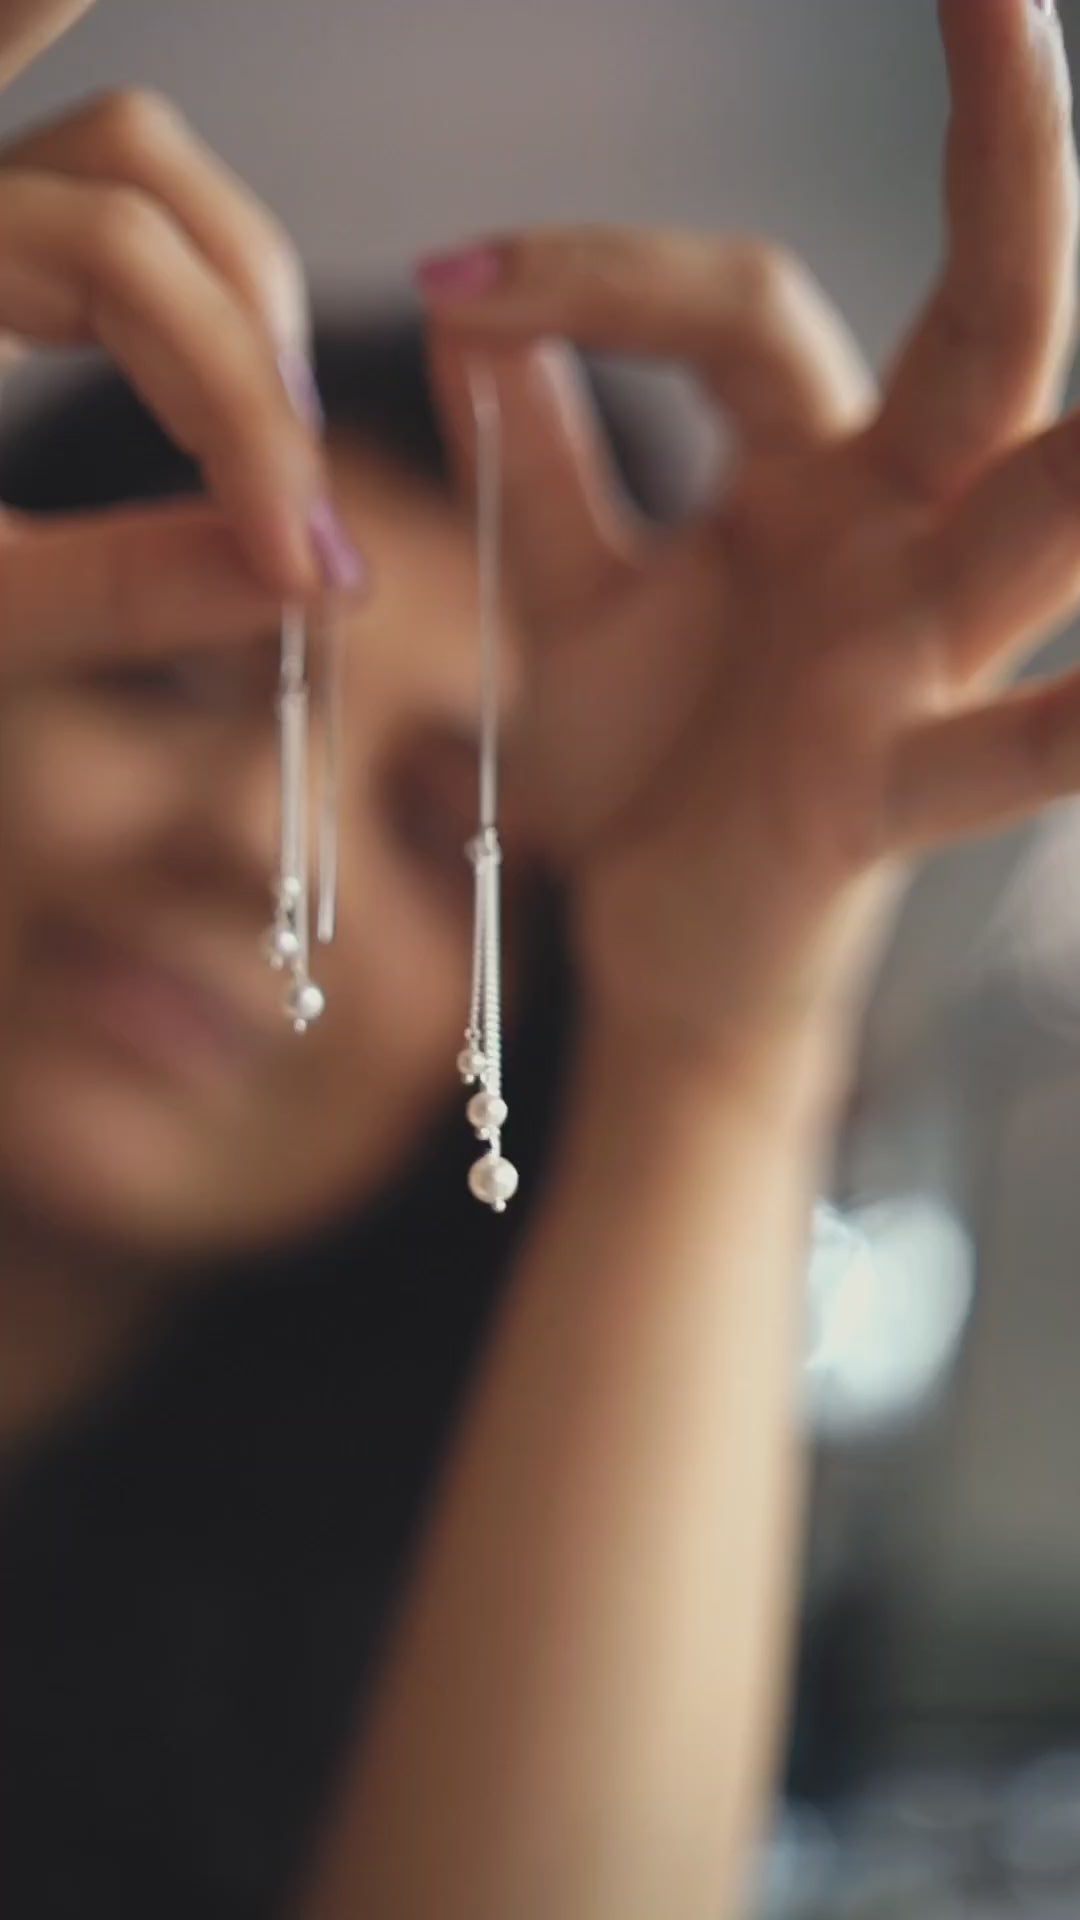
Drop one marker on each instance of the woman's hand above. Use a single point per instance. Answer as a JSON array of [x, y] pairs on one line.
[[118, 227], [740, 731]]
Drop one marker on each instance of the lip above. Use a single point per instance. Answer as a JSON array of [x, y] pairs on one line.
[[159, 1013]]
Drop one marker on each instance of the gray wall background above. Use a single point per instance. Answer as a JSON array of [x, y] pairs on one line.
[[376, 129]]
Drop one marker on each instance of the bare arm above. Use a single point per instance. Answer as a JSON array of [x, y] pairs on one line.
[[580, 1711]]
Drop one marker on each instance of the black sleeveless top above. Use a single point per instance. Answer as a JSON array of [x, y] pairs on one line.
[[194, 1577]]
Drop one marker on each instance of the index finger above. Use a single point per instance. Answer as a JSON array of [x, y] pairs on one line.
[[983, 364], [27, 27], [139, 139], [746, 318]]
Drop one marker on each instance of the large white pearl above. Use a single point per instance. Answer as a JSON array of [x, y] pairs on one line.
[[305, 1003], [493, 1180], [470, 1064], [487, 1112]]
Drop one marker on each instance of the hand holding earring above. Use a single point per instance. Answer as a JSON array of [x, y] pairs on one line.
[[742, 728]]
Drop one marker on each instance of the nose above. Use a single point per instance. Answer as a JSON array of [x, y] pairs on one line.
[[223, 834]]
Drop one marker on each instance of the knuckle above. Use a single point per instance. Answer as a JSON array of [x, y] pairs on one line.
[[576, 261], [770, 278], [276, 274], [605, 259], [608, 249], [133, 122], [552, 258], [124, 226], [281, 250], [998, 336]]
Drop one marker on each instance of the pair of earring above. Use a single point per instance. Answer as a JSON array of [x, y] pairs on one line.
[[493, 1179]]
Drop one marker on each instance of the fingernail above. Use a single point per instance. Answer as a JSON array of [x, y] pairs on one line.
[[342, 563], [461, 275], [298, 379]]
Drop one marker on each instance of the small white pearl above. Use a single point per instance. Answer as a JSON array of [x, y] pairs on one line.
[[282, 946], [290, 890], [305, 1003], [484, 849], [470, 1064], [493, 1180], [487, 1112]]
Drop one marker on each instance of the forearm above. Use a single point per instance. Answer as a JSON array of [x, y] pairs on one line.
[[578, 1714]]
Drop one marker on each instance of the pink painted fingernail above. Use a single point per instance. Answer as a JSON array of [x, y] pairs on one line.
[[462, 275], [298, 379], [341, 561]]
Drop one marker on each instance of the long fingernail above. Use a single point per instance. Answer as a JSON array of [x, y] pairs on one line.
[[298, 379], [461, 275], [341, 561]]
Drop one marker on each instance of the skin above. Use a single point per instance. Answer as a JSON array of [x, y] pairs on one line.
[[579, 1715], [738, 737], [139, 821], [117, 226], [157, 1112]]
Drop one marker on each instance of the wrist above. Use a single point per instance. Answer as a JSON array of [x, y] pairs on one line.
[[786, 1078], [770, 1026], [667, 1155]]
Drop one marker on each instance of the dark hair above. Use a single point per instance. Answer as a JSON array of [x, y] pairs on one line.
[[91, 443]]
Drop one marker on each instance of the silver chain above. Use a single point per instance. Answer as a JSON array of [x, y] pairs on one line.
[[492, 1179], [290, 936]]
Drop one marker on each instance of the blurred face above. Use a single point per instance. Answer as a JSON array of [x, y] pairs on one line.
[[152, 1095]]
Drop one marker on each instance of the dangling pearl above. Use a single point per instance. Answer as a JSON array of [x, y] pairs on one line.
[[282, 946], [290, 890], [470, 1064], [304, 1004], [487, 1112], [483, 848], [493, 1180]]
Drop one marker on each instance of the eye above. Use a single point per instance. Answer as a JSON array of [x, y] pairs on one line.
[[197, 681], [431, 806]]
